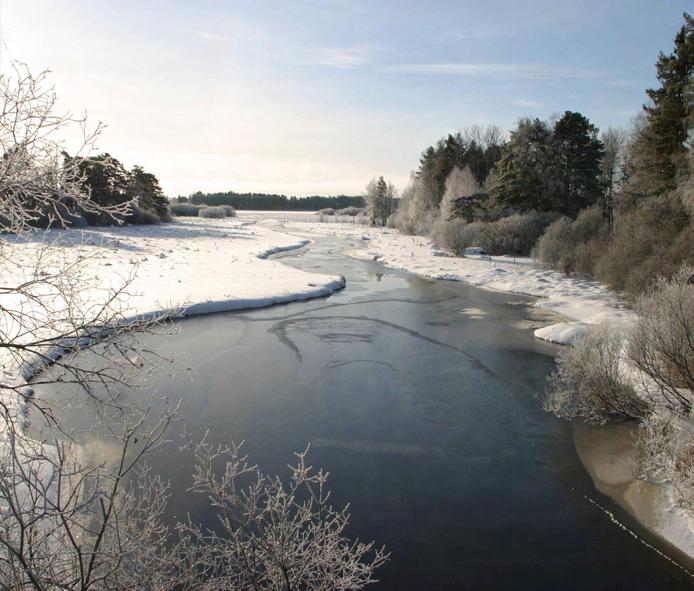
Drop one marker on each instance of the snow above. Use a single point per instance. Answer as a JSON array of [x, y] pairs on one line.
[[193, 266], [565, 333], [580, 301]]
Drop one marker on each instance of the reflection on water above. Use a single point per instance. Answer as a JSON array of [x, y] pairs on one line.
[[420, 399]]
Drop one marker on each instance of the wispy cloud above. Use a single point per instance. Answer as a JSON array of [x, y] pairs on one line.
[[214, 37], [476, 34], [336, 57], [526, 103], [496, 70]]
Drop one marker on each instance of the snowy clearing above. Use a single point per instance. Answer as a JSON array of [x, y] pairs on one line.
[[192, 266]]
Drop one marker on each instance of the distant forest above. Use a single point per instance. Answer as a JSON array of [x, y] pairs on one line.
[[271, 202]]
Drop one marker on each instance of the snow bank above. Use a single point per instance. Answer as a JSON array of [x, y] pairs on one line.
[[193, 266], [580, 301]]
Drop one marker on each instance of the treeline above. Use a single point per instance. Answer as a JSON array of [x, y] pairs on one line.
[[618, 205], [273, 202]]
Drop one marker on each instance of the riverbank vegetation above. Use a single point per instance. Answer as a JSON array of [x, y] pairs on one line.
[[53, 183], [617, 205]]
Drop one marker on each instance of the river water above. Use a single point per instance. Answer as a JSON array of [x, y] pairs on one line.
[[421, 400]]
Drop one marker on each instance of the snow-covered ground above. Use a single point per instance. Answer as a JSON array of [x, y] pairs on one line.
[[195, 266], [580, 301]]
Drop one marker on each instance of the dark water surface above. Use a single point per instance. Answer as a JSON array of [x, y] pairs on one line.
[[420, 399]]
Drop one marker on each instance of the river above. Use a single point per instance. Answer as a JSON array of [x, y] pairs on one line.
[[421, 398]]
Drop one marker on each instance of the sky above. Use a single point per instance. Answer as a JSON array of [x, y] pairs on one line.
[[317, 97]]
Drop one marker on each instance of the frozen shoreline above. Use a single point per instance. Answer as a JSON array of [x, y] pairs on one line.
[[190, 267], [608, 455], [581, 302]]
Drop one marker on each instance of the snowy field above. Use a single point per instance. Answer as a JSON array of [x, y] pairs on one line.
[[194, 266]]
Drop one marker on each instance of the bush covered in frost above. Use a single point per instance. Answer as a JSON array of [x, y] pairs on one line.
[[590, 382], [185, 209], [661, 343], [513, 235], [212, 212], [574, 245]]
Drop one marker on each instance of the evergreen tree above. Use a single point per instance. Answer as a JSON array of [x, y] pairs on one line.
[[380, 199], [145, 187], [578, 153], [658, 154], [107, 181], [527, 168]]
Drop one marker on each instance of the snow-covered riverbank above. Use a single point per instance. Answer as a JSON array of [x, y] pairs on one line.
[[580, 301], [192, 266]]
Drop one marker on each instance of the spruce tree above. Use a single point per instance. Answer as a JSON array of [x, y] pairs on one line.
[[578, 152], [658, 154], [527, 168]]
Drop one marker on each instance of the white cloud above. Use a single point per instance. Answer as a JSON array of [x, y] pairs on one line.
[[496, 70], [336, 57], [526, 103], [215, 38]]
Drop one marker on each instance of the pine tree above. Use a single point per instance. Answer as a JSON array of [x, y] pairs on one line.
[[578, 153], [658, 154], [380, 199], [145, 187], [527, 168]]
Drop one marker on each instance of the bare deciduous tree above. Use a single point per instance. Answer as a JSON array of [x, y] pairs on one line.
[[614, 141], [460, 183]]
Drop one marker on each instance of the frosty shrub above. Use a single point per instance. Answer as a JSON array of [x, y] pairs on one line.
[[661, 343], [512, 235], [515, 234], [554, 248], [654, 444], [574, 246], [185, 209], [327, 211], [652, 237], [212, 212], [275, 534], [664, 445], [229, 210], [589, 382], [350, 211], [683, 474], [139, 215], [449, 234]]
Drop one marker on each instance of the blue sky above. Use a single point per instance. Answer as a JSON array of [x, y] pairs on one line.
[[317, 97]]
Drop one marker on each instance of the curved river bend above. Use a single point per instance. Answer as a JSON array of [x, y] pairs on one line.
[[421, 400]]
